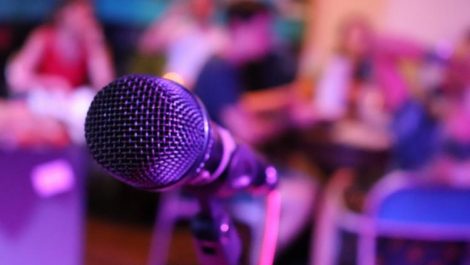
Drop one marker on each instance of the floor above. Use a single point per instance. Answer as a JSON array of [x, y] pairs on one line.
[[123, 244], [110, 243]]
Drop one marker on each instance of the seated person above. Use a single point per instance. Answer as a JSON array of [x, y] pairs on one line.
[[57, 59], [451, 162], [436, 124], [250, 77], [188, 36], [64, 54], [360, 92], [250, 64]]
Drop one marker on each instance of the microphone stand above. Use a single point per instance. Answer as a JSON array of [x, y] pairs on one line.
[[215, 236], [216, 239]]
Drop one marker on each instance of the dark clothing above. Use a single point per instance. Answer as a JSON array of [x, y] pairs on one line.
[[457, 149], [275, 69], [417, 136], [220, 84], [217, 86]]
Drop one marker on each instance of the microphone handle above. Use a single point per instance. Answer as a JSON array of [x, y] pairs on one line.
[[248, 171]]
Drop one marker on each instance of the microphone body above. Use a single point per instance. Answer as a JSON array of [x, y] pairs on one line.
[[154, 134]]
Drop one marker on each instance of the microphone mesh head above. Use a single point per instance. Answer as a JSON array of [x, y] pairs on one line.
[[148, 132]]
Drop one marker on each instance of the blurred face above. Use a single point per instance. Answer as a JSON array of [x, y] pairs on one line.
[[356, 39], [76, 17], [252, 39], [202, 9]]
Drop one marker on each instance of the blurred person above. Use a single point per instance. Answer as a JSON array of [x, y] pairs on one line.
[[418, 127], [446, 110], [54, 70], [451, 108], [455, 94], [436, 123], [362, 90], [188, 36], [347, 123], [64, 54], [252, 75], [350, 140], [365, 57], [231, 84], [423, 127], [356, 101]]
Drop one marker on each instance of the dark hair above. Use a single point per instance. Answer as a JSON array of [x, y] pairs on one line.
[[246, 10], [61, 5]]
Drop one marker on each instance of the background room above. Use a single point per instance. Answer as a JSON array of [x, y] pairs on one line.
[[363, 108]]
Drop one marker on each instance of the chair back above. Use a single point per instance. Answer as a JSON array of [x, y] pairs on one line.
[[403, 206]]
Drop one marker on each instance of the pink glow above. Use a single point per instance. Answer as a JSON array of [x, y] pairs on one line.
[[271, 175], [52, 178], [271, 228], [224, 228]]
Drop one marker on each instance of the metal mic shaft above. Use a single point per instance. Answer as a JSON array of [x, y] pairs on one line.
[[154, 134]]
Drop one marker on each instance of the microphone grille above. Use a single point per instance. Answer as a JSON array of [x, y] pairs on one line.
[[148, 132]]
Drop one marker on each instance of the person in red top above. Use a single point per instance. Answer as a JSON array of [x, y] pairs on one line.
[[56, 61], [56, 73], [64, 54]]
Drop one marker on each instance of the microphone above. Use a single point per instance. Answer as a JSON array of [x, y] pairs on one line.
[[154, 134]]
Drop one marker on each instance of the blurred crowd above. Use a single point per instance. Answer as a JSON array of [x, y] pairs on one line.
[[375, 93], [379, 104]]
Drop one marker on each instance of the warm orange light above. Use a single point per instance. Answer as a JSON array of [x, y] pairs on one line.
[[175, 77]]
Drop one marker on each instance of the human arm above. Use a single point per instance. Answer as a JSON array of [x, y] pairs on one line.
[[21, 71], [99, 62], [156, 36]]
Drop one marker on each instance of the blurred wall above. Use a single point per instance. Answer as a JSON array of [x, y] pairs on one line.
[[429, 21], [109, 11], [328, 16]]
